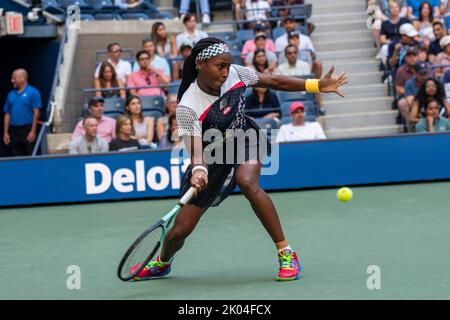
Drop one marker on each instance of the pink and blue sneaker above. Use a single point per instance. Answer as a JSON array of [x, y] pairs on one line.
[[290, 269], [154, 269]]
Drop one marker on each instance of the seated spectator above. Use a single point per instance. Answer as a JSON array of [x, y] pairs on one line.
[[262, 103], [166, 45], [405, 72], [108, 79], [411, 88], [260, 42], [204, 9], [177, 65], [287, 11], [303, 44], [433, 121], [414, 7], [431, 88], [397, 50], [260, 63], [171, 138], [289, 25], [423, 25], [293, 67], [105, 125], [123, 68], [383, 14], [147, 76], [423, 55], [390, 29], [257, 11], [435, 47], [442, 58], [124, 131], [162, 125], [89, 142], [21, 115], [299, 130], [144, 127], [155, 60], [303, 55], [190, 35], [250, 45]]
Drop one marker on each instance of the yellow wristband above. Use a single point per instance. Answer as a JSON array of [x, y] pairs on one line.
[[312, 86]]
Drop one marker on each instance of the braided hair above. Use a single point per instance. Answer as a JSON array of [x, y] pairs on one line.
[[190, 71]]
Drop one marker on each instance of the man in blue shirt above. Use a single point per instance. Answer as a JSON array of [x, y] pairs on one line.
[[22, 112]]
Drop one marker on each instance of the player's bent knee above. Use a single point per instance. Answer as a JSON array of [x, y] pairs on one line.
[[247, 184]]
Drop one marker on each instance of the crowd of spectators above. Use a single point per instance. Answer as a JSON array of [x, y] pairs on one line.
[[414, 50], [160, 63], [281, 45]]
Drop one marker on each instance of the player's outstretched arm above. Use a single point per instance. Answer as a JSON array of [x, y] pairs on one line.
[[327, 84]]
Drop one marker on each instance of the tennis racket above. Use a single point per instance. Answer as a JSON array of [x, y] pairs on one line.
[[148, 244]]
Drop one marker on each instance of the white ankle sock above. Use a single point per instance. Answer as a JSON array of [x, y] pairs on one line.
[[286, 248]]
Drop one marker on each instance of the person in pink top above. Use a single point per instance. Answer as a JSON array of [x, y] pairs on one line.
[[106, 126], [250, 45], [147, 76]]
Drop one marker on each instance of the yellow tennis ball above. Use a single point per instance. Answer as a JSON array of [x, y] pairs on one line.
[[345, 194]]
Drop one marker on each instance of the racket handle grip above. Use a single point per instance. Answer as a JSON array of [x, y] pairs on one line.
[[188, 195]]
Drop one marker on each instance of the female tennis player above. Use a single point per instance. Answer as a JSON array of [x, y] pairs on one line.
[[211, 96]]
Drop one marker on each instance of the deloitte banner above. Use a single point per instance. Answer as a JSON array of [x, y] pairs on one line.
[[153, 174]]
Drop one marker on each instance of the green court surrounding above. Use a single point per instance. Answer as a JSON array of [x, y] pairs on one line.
[[404, 230]]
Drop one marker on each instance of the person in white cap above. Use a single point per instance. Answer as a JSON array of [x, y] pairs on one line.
[[397, 50], [443, 58]]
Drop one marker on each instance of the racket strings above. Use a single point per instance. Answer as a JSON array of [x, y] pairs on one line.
[[145, 250]]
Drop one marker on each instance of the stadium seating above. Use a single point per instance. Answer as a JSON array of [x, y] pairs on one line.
[[175, 85], [99, 4], [244, 35], [135, 16], [87, 17], [114, 105], [267, 123], [150, 103], [235, 46], [107, 16], [294, 96], [225, 36]]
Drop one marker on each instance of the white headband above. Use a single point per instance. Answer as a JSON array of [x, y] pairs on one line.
[[212, 51]]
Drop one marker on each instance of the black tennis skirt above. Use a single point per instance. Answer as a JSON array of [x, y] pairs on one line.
[[221, 177]]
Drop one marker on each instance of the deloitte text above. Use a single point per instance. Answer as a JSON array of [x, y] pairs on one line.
[[100, 178]]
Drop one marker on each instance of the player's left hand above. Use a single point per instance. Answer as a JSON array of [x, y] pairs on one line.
[[332, 84]]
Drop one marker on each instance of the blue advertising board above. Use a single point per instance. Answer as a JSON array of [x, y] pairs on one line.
[[153, 174]]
